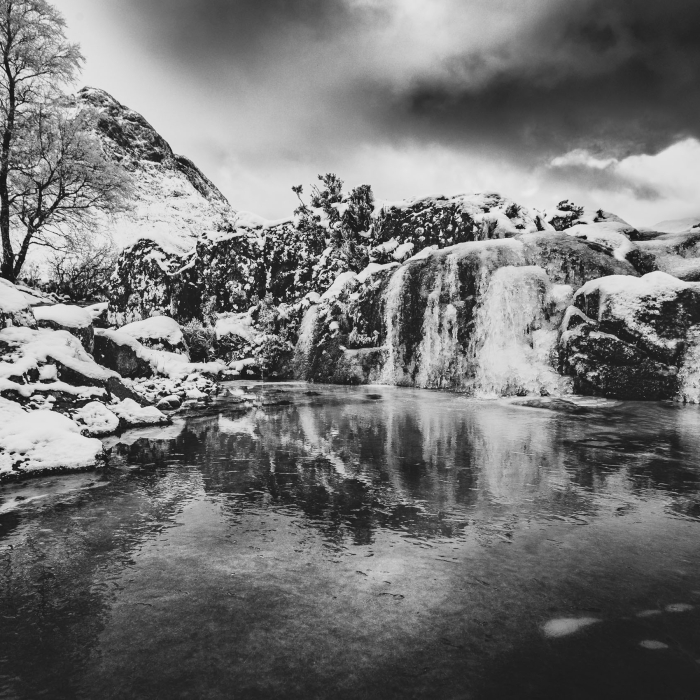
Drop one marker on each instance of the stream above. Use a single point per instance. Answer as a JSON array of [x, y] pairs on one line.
[[364, 542]]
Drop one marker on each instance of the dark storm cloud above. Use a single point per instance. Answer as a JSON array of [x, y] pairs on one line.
[[244, 30], [612, 76]]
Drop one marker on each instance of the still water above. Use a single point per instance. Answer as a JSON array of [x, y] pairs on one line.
[[367, 542]]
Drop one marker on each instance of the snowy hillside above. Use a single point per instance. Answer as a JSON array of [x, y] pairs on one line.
[[174, 201]]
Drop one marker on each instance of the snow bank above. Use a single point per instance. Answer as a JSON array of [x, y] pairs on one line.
[[155, 328], [64, 315], [42, 440]]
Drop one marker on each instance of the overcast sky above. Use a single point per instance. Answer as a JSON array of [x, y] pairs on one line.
[[592, 100]]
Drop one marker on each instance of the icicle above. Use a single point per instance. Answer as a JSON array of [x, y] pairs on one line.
[[512, 342]]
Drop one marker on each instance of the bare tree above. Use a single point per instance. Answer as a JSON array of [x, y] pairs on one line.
[[63, 181], [82, 270], [54, 175]]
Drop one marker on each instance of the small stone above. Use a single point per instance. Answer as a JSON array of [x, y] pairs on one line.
[[169, 403]]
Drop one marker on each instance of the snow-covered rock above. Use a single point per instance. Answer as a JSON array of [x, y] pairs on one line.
[[97, 419], [676, 252], [44, 361], [15, 309], [40, 441], [158, 333], [74, 319], [132, 415], [127, 356], [632, 338]]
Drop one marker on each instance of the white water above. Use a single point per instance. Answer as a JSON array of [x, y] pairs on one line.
[[304, 345], [689, 374], [393, 370], [442, 362], [513, 342]]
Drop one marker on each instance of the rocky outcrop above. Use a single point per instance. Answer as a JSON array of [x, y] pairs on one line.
[[401, 229], [633, 338], [426, 322], [676, 252]]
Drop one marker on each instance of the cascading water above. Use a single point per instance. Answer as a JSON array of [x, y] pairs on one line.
[[513, 341], [689, 373], [393, 370], [304, 346], [442, 359]]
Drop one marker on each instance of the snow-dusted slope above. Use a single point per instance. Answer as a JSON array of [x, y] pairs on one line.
[[677, 225], [174, 203]]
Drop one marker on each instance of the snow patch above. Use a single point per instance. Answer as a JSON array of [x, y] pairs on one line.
[[42, 440], [65, 315]]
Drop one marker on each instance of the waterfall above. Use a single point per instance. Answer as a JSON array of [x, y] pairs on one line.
[[393, 369], [442, 359], [689, 373], [305, 342], [513, 342]]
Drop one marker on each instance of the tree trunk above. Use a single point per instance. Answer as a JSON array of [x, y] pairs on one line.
[[7, 268]]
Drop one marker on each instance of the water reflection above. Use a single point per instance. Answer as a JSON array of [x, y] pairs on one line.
[[476, 509]]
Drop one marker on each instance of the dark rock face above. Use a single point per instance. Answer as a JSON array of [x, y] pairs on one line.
[[120, 358], [628, 338]]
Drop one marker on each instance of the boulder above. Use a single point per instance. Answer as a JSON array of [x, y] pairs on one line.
[[37, 442], [630, 338], [158, 333], [15, 308], [120, 352], [65, 317], [44, 362], [132, 415]]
